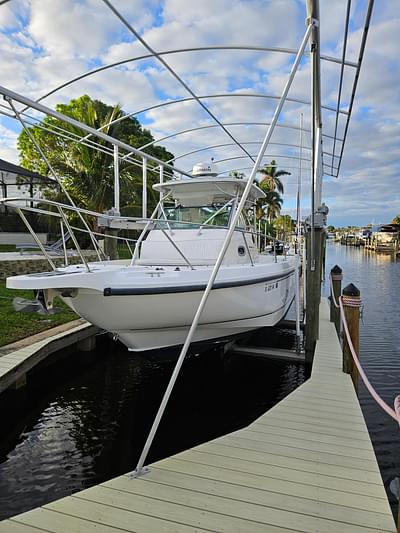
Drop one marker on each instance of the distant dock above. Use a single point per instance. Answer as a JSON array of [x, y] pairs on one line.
[[306, 465]]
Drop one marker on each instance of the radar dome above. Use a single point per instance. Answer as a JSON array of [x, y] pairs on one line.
[[205, 169]]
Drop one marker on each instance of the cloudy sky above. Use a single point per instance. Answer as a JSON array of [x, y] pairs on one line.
[[45, 43]]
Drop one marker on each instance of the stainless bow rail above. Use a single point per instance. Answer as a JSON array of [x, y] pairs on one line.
[[133, 245]]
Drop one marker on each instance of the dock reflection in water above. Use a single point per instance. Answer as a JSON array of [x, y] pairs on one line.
[[75, 427], [377, 275]]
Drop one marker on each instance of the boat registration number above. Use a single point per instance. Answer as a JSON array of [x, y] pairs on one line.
[[271, 286]]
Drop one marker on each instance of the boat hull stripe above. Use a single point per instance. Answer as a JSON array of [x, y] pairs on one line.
[[129, 291]]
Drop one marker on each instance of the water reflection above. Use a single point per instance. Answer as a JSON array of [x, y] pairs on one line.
[[378, 278], [70, 432]]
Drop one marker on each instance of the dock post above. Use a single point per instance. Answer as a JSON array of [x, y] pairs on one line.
[[313, 291], [351, 305], [110, 243], [336, 277]]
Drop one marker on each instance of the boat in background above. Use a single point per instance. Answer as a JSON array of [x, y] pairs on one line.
[[385, 238]]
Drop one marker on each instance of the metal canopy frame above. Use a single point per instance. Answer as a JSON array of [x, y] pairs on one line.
[[312, 37], [331, 168], [244, 48]]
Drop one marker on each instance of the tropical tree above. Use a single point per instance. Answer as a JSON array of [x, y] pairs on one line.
[[87, 173], [272, 186], [284, 226], [396, 220], [271, 177], [273, 202], [269, 207]]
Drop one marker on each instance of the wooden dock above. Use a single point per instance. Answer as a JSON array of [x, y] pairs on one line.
[[17, 359], [306, 465]]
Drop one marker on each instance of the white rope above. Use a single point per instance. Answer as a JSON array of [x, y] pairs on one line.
[[332, 293], [394, 414]]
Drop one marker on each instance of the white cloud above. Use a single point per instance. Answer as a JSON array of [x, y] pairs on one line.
[[8, 149], [44, 43]]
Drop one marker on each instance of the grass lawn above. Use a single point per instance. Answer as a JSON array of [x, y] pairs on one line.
[[15, 325], [7, 248]]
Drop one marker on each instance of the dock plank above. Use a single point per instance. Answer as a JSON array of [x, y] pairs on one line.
[[348, 514], [317, 429], [306, 444], [223, 512], [295, 435], [246, 466], [283, 450], [276, 485], [121, 509], [17, 527], [292, 463]]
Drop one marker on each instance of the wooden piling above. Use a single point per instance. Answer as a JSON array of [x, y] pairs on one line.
[[110, 243], [313, 290], [351, 305], [336, 276]]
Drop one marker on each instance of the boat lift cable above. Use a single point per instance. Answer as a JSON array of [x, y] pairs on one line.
[[174, 74], [357, 75], [346, 31], [221, 255]]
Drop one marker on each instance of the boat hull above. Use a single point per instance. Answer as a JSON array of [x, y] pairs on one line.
[[153, 339], [152, 321], [150, 307]]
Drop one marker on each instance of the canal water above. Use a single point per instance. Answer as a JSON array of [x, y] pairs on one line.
[[85, 419], [377, 275]]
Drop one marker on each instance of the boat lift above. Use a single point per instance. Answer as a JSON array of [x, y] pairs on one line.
[[121, 151]]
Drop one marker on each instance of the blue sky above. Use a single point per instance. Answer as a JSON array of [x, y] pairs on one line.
[[43, 43]]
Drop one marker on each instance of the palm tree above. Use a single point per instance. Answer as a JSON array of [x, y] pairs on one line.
[[269, 206], [271, 181], [88, 173], [273, 203]]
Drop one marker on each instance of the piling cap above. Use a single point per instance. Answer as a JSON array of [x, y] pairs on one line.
[[351, 290], [336, 270]]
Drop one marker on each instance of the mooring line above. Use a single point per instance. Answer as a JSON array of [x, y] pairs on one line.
[[356, 302]]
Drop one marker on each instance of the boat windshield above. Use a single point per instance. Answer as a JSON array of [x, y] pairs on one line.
[[192, 217]]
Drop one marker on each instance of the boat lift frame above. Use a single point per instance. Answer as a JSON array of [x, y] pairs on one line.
[[123, 151]]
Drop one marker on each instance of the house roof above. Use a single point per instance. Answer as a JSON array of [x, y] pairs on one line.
[[9, 173]]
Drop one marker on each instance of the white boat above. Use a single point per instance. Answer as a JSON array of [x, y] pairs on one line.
[[150, 302]]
